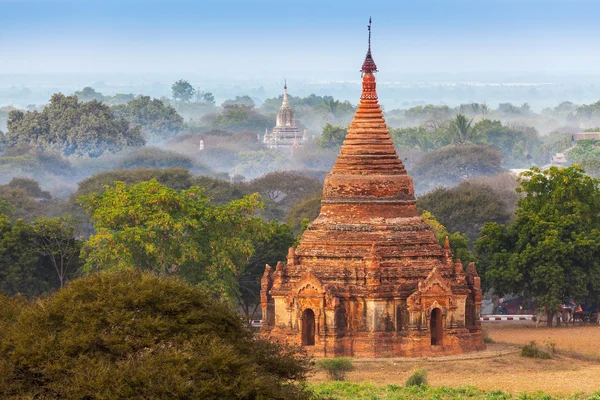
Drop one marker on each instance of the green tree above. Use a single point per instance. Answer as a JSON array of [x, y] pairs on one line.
[[465, 207], [305, 209], [332, 137], [450, 165], [151, 227], [56, 240], [23, 270], [88, 94], [158, 120], [551, 250], [182, 91], [273, 248], [128, 334], [584, 151], [72, 128], [461, 131], [459, 243]]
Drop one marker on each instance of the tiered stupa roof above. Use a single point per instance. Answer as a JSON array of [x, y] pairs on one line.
[[368, 197]]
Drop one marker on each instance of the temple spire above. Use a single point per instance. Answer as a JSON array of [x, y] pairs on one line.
[[285, 97], [369, 65]]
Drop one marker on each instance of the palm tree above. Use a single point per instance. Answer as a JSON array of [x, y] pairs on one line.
[[462, 132]]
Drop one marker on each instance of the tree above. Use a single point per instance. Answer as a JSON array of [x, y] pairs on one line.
[[182, 91], [209, 98], [584, 151], [151, 227], [158, 120], [332, 137], [23, 271], [255, 163], [284, 187], [88, 94], [306, 209], [55, 239], [451, 165], [465, 207], [551, 250], [244, 100], [31, 186], [459, 243], [72, 128], [129, 334], [461, 132], [273, 248]]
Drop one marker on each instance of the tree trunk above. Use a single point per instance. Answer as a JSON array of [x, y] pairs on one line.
[[549, 317]]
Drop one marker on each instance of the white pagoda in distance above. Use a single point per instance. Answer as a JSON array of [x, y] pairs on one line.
[[285, 136]]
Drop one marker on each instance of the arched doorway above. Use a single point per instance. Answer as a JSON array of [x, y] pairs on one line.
[[436, 327], [308, 327], [340, 322]]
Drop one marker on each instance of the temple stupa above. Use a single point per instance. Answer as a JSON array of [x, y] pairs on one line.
[[285, 136], [369, 278]]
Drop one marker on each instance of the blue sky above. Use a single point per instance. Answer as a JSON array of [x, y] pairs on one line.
[[323, 39]]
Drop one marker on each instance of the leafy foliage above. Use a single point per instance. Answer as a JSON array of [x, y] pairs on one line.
[[449, 166], [336, 367], [146, 337], [182, 91], [418, 378], [31, 255], [585, 151], [551, 250], [153, 157], [332, 137], [459, 243], [306, 209], [72, 127], [465, 207], [250, 164], [531, 350], [151, 227], [159, 121], [238, 117]]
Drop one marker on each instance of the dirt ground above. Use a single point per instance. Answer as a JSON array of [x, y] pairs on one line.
[[575, 368]]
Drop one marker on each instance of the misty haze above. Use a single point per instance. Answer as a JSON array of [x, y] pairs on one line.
[[260, 199]]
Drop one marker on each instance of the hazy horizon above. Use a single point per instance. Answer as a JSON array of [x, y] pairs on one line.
[[313, 40]]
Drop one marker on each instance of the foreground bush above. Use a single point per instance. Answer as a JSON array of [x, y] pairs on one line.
[[531, 350], [418, 378], [336, 367], [132, 335]]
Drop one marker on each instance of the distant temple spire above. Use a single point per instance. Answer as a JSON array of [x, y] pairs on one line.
[[285, 134]]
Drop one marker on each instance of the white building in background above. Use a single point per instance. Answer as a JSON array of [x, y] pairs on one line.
[[285, 136]]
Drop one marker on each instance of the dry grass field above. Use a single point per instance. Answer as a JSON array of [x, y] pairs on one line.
[[566, 373], [583, 340]]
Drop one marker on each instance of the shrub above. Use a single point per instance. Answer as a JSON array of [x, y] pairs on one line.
[[336, 367], [153, 157], [128, 334], [532, 351], [418, 378], [486, 337]]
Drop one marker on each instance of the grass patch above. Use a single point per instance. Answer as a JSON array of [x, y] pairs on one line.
[[367, 391], [531, 350], [336, 367], [418, 378]]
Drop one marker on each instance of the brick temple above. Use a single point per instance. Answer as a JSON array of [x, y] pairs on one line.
[[369, 278]]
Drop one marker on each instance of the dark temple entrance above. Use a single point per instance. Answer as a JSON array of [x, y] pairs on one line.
[[436, 327], [308, 327]]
